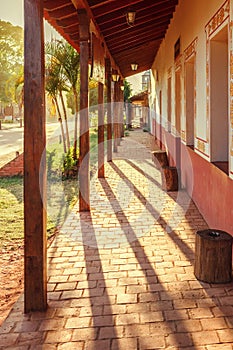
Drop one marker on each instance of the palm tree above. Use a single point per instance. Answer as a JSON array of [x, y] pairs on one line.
[[68, 58], [19, 94], [53, 87]]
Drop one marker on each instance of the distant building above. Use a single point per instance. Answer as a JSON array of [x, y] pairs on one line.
[[146, 81]]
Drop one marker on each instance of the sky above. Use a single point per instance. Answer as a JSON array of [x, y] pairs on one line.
[[12, 11]]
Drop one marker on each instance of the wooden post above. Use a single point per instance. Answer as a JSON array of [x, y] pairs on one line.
[[84, 143], [35, 272], [109, 112], [118, 114], [170, 179], [115, 118], [100, 130], [160, 158], [122, 129]]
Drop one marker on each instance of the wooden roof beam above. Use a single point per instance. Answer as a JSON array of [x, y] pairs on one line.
[[83, 4]]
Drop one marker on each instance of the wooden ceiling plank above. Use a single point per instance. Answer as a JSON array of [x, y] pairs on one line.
[[144, 38], [120, 25], [63, 12], [135, 44], [147, 6], [51, 4], [111, 7], [137, 32], [68, 22], [123, 48], [74, 36], [72, 29], [94, 5], [137, 48]]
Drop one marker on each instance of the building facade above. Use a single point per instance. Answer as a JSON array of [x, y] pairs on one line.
[[192, 104]]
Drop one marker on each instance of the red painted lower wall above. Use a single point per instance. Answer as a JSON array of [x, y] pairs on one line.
[[209, 187], [212, 192]]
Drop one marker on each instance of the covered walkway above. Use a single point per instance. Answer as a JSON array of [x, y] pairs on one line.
[[121, 276]]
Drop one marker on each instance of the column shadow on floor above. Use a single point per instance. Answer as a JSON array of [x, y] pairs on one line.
[[214, 292], [100, 293], [143, 260]]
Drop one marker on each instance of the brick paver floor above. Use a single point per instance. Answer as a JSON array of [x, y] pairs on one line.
[[121, 277]]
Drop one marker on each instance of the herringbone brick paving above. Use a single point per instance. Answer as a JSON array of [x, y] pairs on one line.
[[121, 277]]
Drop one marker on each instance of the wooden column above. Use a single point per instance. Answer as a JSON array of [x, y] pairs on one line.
[[109, 107], [35, 268], [118, 114], [100, 130], [122, 110], [84, 142], [115, 116]]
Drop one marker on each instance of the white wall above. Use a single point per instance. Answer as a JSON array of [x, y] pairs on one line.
[[189, 22]]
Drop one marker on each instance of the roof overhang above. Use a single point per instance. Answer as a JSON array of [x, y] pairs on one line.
[[123, 43]]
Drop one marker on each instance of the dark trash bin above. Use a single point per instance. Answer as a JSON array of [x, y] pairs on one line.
[[213, 256]]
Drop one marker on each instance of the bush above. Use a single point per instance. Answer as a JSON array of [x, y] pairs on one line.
[[70, 165]]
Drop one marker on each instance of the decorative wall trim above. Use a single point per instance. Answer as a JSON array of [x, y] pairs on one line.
[[200, 139], [199, 151], [183, 135], [190, 52], [178, 62], [219, 17], [201, 146], [169, 72]]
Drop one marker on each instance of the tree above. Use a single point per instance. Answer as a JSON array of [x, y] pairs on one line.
[[93, 93], [53, 87], [68, 58], [54, 53], [11, 59], [127, 95], [127, 91], [19, 94]]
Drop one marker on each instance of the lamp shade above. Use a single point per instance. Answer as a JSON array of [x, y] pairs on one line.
[[130, 17], [134, 66], [115, 77]]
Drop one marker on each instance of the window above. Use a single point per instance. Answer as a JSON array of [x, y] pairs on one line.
[[190, 100], [169, 103], [177, 101], [219, 125]]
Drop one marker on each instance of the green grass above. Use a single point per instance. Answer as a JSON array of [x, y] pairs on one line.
[[11, 208], [61, 195]]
